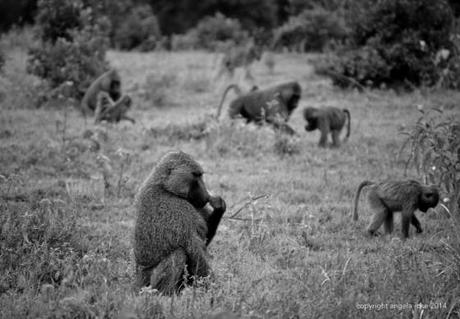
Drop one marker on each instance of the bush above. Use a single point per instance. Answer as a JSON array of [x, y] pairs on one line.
[[2, 60], [402, 38], [310, 31], [434, 144], [212, 33], [74, 53], [138, 30]]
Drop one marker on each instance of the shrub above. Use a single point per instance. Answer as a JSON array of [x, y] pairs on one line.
[[211, 33], [400, 37], [310, 31], [434, 143], [73, 55], [139, 30]]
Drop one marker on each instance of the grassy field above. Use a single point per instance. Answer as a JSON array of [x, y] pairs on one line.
[[292, 249]]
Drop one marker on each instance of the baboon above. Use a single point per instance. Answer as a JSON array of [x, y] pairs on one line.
[[327, 120], [108, 82], [110, 111], [173, 226], [273, 105], [242, 56], [403, 196]]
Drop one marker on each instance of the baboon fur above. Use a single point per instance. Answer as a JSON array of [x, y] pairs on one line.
[[108, 82], [388, 197], [329, 120], [173, 226], [273, 105], [242, 56], [110, 111]]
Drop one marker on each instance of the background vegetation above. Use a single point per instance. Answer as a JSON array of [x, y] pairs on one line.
[[287, 247]]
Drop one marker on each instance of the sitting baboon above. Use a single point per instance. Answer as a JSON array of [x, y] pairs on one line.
[[110, 111], [327, 120], [108, 82], [403, 196], [273, 105], [173, 226], [241, 56]]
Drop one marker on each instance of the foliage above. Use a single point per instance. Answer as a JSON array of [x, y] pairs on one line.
[[2, 59], [73, 53], [16, 12], [402, 38], [311, 30], [434, 144], [139, 29]]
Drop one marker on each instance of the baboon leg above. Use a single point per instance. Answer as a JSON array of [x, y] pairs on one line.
[[405, 223], [335, 138], [168, 275], [388, 225], [380, 213], [414, 221], [197, 264], [324, 127]]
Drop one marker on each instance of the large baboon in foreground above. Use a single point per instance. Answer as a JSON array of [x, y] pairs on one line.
[[404, 196], [173, 226], [108, 82], [273, 105], [327, 120]]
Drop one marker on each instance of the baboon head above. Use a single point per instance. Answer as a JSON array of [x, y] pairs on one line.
[[310, 115], [428, 198], [112, 84], [179, 174]]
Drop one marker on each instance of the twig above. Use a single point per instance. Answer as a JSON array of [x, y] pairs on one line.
[[247, 203]]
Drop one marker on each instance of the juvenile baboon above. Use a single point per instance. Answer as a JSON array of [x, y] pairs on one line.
[[405, 196], [173, 226], [241, 56], [273, 105], [108, 82], [327, 120], [110, 111]]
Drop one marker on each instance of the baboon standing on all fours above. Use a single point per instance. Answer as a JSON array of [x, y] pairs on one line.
[[108, 82], [273, 105], [327, 120], [173, 226], [388, 197]]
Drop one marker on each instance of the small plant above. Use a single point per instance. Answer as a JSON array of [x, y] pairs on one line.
[[434, 144]]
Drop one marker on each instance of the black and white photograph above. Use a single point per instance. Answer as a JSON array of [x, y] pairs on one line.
[[229, 159]]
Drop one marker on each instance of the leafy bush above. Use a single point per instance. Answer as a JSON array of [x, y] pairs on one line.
[[434, 144], [211, 33], [73, 53], [2, 60], [396, 42], [138, 30], [310, 31]]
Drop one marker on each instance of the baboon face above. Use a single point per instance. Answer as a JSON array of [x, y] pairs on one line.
[[311, 118], [185, 179], [428, 198]]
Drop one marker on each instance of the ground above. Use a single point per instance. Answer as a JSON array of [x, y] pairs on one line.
[[287, 246]]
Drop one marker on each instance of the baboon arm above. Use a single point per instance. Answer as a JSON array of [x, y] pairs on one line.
[[414, 221], [213, 217], [323, 126]]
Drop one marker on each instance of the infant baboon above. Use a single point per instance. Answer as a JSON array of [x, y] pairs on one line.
[[173, 226], [110, 111], [273, 105], [386, 198], [108, 82], [327, 120]]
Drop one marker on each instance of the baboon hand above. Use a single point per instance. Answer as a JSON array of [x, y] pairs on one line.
[[217, 203]]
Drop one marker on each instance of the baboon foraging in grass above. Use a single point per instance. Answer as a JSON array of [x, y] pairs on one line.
[[327, 120], [173, 226], [273, 105], [242, 56], [404, 196], [108, 82], [110, 111]]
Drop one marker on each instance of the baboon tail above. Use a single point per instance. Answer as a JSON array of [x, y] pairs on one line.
[[358, 192], [347, 112], [231, 86]]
